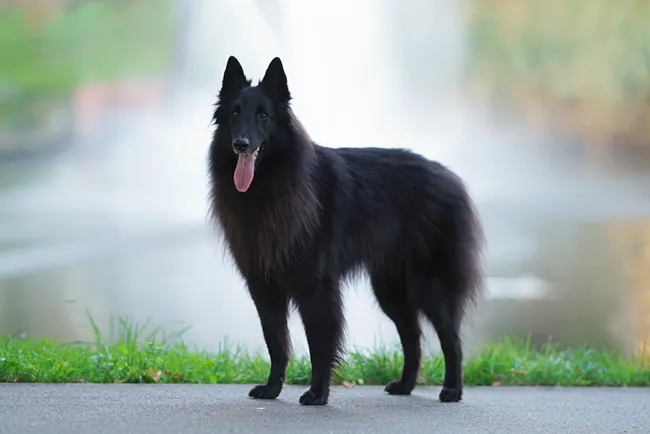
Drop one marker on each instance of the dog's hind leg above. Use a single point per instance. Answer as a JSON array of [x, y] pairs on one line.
[[445, 314], [273, 309], [392, 296], [321, 310]]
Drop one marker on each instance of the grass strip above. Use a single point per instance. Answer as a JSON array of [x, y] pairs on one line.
[[137, 354]]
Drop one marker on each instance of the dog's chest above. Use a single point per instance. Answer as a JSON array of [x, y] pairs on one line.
[[271, 238]]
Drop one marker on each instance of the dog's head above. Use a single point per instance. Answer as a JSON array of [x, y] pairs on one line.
[[251, 115]]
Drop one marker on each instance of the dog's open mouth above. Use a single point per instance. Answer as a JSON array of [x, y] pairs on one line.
[[245, 171]]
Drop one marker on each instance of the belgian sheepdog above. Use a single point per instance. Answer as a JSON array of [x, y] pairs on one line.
[[299, 218]]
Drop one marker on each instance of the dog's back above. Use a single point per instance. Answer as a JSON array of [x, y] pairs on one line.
[[397, 213]]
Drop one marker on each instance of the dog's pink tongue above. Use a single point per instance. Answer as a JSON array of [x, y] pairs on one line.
[[244, 172]]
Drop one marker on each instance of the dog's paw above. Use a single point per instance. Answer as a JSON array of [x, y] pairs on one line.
[[312, 398], [397, 387], [449, 394], [264, 391]]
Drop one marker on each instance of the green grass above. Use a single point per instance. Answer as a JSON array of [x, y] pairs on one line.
[[137, 353]]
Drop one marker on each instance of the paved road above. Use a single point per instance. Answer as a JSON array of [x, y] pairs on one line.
[[198, 409]]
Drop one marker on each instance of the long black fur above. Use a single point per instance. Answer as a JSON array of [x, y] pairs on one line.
[[314, 216]]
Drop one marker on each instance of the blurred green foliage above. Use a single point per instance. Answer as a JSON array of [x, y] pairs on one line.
[[90, 41], [575, 67], [596, 49]]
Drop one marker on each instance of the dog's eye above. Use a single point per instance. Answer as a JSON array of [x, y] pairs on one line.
[[263, 116], [235, 113]]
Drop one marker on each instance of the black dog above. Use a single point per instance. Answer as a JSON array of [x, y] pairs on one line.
[[299, 218]]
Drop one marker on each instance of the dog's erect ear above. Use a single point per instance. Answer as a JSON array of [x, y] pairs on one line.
[[274, 82], [233, 77]]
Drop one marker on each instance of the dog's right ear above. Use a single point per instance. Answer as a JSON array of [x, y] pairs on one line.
[[233, 77]]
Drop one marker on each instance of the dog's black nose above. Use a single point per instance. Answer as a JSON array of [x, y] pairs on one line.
[[241, 144]]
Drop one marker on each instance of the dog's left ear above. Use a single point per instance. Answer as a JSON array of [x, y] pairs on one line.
[[274, 82]]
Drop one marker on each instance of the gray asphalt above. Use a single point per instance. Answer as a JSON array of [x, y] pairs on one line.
[[198, 409]]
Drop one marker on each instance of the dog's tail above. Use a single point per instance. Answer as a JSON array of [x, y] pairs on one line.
[[463, 277]]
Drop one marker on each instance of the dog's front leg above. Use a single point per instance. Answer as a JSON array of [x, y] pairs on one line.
[[321, 310], [273, 309]]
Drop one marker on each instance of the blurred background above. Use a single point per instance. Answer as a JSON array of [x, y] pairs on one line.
[[542, 106]]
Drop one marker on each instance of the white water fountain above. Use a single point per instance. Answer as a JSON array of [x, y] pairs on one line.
[[362, 73]]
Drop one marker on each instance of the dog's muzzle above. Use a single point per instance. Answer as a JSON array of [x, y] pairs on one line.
[[241, 145]]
